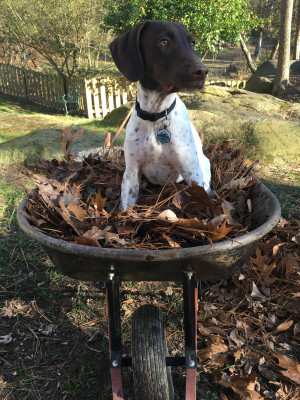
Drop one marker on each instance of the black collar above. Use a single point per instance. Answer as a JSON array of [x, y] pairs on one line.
[[153, 116]]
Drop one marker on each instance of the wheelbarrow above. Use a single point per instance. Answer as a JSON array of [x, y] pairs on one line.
[[150, 362]]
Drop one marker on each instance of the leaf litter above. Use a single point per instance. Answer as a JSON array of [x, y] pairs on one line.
[[249, 326], [78, 200]]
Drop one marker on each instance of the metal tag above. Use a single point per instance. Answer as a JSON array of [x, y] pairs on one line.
[[163, 136]]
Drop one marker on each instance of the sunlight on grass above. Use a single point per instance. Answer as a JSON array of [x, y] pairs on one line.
[[10, 197]]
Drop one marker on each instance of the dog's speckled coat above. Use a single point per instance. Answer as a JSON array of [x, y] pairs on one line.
[[181, 158]]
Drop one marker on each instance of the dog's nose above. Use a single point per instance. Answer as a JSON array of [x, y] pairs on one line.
[[199, 71]]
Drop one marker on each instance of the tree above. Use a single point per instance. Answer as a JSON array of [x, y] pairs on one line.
[[59, 30], [297, 36], [250, 63], [283, 67], [212, 23]]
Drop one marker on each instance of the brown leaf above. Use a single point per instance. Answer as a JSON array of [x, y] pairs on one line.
[[291, 367], [214, 352], [171, 242], [3, 383], [234, 336], [220, 232], [66, 139], [79, 213], [202, 200], [99, 201], [238, 183], [284, 326], [228, 209], [210, 330], [87, 241], [65, 214], [105, 234], [243, 386], [13, 308]]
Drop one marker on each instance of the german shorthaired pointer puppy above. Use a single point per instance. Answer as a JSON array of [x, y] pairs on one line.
[[161, 141]]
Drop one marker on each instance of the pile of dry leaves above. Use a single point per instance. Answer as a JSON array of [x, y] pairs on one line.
[[251, 323], [78, 201]]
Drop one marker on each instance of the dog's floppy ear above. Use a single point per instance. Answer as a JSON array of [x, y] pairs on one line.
[[125, 51]]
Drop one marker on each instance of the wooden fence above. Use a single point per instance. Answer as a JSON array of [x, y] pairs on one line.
[[98, 96], [106, 94], [36, 87]]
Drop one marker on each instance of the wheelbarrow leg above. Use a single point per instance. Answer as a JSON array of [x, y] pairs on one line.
[[190, 301], [114, 331]]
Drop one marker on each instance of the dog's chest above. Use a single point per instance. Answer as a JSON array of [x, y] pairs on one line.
[[159, 161]]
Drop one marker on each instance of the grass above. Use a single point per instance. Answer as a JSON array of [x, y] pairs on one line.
[[28, 121], [65, 364]]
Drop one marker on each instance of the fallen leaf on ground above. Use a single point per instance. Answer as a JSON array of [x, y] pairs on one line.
[[291, 367]]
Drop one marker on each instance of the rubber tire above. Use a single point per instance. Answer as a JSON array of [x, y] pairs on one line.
[[152, 378]]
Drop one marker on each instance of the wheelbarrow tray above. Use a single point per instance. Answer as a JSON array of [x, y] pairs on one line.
[[208, 262]]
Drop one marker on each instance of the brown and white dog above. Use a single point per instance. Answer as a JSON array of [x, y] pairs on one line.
[[161, 142]]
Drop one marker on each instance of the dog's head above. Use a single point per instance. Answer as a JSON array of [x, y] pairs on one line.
[[161, 56]]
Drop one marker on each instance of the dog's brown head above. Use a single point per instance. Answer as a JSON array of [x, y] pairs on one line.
[[161, 56]]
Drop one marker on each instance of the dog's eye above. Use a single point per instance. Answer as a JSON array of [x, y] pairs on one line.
[[193, 43], [163, 43]]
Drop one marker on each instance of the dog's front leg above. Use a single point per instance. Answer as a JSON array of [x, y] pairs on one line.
[[130, 188]]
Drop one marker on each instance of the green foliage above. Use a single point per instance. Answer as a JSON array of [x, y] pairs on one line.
[[211, 22]]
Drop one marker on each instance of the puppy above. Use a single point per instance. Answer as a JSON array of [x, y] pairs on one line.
[[161, 142]]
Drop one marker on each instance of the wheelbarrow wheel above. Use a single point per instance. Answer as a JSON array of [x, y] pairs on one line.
[[152, 378]]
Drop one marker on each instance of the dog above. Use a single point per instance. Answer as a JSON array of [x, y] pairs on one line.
[[161, 142]]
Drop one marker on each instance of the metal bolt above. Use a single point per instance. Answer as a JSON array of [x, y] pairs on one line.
[[110, 276], [115, 363], [192, 363]]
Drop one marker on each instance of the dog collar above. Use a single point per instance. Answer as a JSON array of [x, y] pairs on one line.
[[153, 117]]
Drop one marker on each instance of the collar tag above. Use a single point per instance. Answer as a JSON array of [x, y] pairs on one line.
[[163, 136]]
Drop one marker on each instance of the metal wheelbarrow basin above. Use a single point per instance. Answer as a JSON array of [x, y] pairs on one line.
[[150, 362]]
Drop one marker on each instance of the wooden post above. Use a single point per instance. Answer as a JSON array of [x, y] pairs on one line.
[[96, 99], [117, 94], [89, 101], [103, 100], [111, 98]]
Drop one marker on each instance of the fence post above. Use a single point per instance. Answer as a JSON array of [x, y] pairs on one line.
[[96, 99], [89, 101], [117, 93], [103, 100], [111, 98]]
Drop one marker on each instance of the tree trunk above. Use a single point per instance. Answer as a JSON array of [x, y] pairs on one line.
[[296, 55], [247, 54], [275, 50], [257, 52], [283, 66]]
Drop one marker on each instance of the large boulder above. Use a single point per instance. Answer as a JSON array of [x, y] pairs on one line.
[[262, 79], [267, 126]]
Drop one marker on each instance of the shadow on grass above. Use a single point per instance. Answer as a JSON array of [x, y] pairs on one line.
[[15, 105], [54, 364], [288, 196]]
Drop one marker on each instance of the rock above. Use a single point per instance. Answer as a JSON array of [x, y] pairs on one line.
[[262, 79], [267, 126], [260, 84]]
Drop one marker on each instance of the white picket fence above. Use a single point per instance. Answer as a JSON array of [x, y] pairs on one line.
[[106, 94], [98, 96]]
